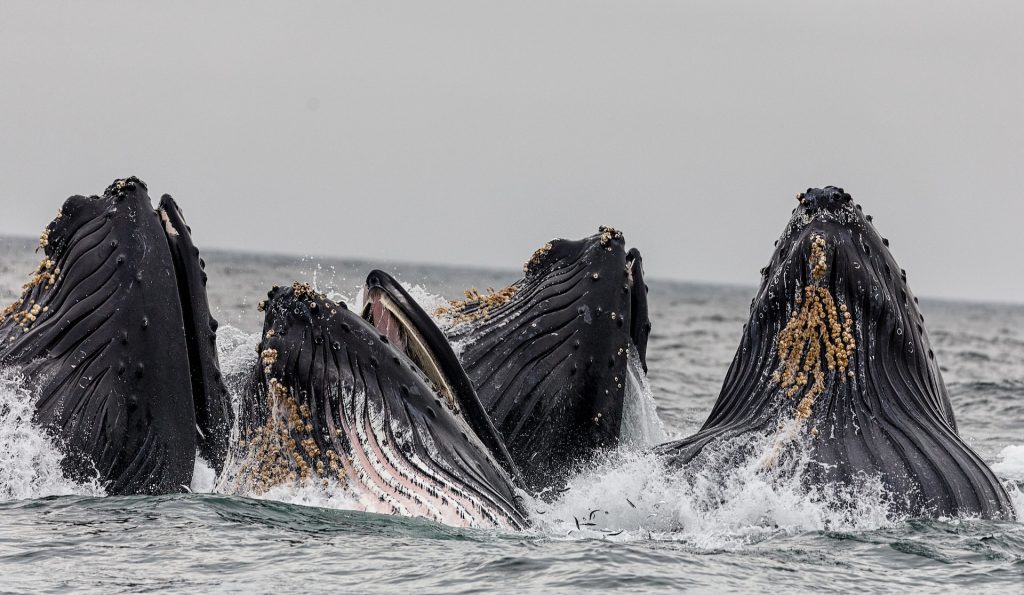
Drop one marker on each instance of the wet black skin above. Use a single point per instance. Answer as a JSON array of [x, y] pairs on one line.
[[108, 352], [328, 358], [549, 364], [892, 419], [214, 416], [469, 403]]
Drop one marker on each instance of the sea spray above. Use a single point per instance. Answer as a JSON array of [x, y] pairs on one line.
[[1010, 467], [641, 426], [30, 461], [1011, 463], [726, 499], [204, 477]]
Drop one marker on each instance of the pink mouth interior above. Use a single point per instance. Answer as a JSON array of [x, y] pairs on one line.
[[385, 322]]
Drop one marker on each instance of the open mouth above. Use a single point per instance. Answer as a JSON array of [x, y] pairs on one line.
[[410, 330], [392, 321], [639, 321]]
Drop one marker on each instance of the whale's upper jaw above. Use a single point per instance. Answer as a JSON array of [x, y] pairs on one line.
[[101, 331]]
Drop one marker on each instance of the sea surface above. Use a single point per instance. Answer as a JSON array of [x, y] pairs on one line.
[[625, 524]]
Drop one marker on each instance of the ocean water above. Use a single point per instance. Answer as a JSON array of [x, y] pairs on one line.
[[625, 523]]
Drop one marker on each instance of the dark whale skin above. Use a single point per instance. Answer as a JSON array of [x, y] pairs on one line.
[[548, 355], [212, 402], [99, 335], [871, 402]]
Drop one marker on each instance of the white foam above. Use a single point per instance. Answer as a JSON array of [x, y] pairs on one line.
[[1010, 466], [330, 495], [203, 477], [430, 302], [1011, 463], [1017, 499], [710, 505], [29, 459]]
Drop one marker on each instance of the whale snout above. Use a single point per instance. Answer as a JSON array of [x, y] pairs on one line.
[[829, 198]]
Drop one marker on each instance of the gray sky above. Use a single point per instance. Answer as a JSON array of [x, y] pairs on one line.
[[472, 132]]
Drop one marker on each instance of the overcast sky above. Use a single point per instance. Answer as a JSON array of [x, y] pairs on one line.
[[472, 132]]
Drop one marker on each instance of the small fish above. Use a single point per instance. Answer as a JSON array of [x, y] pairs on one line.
[[593, 512], [615, 534], [630, 502], [577, 523]]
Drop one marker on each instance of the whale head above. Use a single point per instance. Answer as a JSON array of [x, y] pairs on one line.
[[550, 355]]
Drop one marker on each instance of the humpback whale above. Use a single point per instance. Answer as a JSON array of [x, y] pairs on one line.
[[115, 336], [835, 365], [369, 407], [549, 356]]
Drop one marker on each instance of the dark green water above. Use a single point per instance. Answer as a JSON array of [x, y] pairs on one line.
[[728, 530]]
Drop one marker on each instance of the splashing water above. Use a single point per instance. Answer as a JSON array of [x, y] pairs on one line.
[[641, 426], [333, 495], [712, 504], [29, 458], [204, 477], [1011, 463], [430, 302], [1010, 466]]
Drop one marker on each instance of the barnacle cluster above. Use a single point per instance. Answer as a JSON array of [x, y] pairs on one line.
[[537, 256], [283, 450], [27, 316], [477, 305], [268, 357], [302, 291], [817, 341], [608, 234], [45, 275], [24, 311], [305, 291]]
